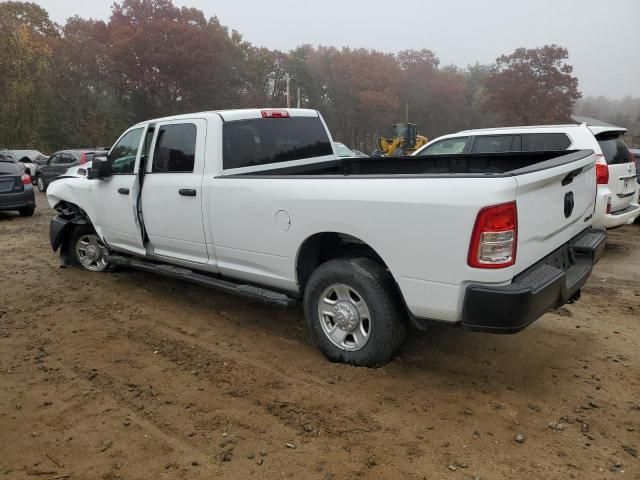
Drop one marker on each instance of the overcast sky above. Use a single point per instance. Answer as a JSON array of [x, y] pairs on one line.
[[603, 37]]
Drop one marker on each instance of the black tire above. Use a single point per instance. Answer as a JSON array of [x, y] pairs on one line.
[[41, 183], [377, 288], [27, 211]]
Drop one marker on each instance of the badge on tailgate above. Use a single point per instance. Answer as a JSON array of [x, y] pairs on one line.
[[569, 203]]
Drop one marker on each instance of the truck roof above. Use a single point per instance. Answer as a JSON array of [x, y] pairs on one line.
[[237, 114]]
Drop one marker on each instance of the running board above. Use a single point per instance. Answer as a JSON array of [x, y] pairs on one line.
[[248, 291]]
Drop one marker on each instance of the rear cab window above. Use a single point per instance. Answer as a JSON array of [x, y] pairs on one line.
[[263, 141], [614, 149]]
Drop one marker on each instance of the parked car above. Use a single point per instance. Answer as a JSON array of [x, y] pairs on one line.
[[256, 203], [6, 155], [359, 153], [16, 191], [617, 200], [58, 163], [636, 154], [343, 151], [31, 159]]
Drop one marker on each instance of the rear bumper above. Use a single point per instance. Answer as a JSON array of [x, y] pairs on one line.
[[618, 218], [15, 201], [548, 284]]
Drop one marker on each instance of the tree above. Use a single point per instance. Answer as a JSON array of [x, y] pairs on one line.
[[25, 56], [166, 60], [82, 83], [532, 86]]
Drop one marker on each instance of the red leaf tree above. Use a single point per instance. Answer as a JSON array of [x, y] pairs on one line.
[[532, 86]]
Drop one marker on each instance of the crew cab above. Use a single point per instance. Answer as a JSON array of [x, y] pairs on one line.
[[257, 203], [617, 198]]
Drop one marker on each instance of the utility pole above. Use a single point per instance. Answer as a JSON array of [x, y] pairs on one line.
[[298, 96], [288, 77]]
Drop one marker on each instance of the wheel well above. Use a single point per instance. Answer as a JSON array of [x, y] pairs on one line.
[[321, 247]]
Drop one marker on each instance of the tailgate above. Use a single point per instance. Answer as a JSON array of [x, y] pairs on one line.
[[555, 202]]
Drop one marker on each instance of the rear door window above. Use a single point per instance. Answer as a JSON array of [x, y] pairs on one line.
[[497, 144], [614, 149], [175, 150], [449, 146], [541, 142], [262, 141]]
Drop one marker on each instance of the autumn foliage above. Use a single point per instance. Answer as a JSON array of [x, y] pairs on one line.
[[532, 86], [82, 83]]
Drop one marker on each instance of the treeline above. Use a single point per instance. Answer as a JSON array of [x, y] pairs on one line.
[[82, 83], [624, 113]]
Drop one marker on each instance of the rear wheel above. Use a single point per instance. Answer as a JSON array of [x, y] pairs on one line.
[[27, 211], [87, 250], [41, 184], [353, 313]]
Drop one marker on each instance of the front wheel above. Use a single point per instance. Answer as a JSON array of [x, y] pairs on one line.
[[41, 184], [352, 312], [87, 250]]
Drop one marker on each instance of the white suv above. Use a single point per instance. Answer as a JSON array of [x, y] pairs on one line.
[[617, 197]]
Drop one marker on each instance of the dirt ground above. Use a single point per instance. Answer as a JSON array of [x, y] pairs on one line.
[[134, 376]]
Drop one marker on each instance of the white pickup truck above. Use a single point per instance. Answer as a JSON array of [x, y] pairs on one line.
[[256, 202]]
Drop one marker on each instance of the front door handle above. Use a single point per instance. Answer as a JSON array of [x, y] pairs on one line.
[[187, 192], [123, 191]]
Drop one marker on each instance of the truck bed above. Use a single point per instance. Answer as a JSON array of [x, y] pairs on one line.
[[467, 165]]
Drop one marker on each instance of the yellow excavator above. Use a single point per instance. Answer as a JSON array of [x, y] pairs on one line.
[[405, 141]]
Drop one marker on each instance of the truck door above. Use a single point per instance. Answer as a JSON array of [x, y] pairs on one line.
[[171, 198], [116, 211]]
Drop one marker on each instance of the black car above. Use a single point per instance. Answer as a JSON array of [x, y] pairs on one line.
[[58, 163], [16, 191]]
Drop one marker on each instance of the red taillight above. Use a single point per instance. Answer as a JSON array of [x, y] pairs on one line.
[[494, 237], [602, 173], [25, 179], [275, 114], [83, 158]]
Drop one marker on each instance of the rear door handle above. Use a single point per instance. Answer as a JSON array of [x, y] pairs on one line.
[[187, 192], [123, 191]]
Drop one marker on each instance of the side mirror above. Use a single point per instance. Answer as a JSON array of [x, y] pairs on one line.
[[100, 168]]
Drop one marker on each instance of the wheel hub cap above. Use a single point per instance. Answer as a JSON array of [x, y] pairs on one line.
[[93, 252], [346, 317]]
